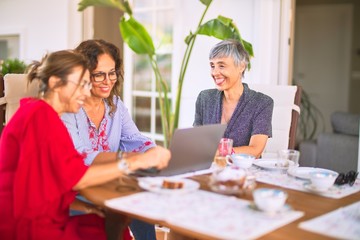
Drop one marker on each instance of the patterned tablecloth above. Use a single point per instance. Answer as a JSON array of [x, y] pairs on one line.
[[219, 216], [283, 179], [342, 223]]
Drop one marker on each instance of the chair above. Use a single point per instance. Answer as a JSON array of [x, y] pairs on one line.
[[285, 116], [337, 150], [16, 87]]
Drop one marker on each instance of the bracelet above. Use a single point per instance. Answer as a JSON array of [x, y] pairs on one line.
[[122, 164], [119, 154]]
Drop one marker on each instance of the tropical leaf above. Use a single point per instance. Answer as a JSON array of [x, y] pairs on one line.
[[223, 28], [136, 36], [215, 28], [189, 38], [225, 20], [83, 4], [206, 2], [248, 47], [127, 7]]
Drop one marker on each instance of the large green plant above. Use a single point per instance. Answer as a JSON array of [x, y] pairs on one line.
[[139, 40]]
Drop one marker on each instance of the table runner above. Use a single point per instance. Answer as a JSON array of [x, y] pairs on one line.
[[282, 179], [204, 212], [342, 223]]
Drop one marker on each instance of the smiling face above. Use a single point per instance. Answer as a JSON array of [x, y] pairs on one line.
[[225, 73], [73, 94], [105, 65]]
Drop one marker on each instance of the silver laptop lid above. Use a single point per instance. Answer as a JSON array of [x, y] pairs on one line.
[[192, 149]]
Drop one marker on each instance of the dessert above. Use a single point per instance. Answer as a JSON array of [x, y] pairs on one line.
[[172, 184], [228, 180]]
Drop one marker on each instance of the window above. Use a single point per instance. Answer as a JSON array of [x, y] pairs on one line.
[[9, 46], [140, 93]]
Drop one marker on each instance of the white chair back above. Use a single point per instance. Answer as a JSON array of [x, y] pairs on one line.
[[285, 115], [16, 87]]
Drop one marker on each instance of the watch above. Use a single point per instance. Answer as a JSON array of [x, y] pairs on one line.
[[122, 164]]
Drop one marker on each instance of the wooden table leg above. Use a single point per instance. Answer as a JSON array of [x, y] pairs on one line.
[[115, 225]]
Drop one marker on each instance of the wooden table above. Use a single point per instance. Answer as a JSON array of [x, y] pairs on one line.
[[312, 205]]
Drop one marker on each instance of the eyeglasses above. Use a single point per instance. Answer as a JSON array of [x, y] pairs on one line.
[[101, 76], [83, 85], [349, 177]]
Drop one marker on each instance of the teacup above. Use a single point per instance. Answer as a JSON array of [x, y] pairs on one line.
[[240, 160], [322, 179], [269, 200]]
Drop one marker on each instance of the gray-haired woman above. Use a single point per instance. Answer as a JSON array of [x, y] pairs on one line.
[[247, 113]]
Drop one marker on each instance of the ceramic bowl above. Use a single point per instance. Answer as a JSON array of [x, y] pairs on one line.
[[241, 160], [323, 179], [269, 200]]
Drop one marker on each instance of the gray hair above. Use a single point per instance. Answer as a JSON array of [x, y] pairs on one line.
[[230, 48]]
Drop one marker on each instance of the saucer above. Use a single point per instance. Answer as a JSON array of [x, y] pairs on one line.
[[154, 184], [285, 208], [311, 188]]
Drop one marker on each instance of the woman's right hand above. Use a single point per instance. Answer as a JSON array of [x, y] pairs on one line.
[[155, 157]]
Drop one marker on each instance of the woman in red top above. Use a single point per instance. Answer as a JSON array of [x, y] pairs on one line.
[[40, 170]]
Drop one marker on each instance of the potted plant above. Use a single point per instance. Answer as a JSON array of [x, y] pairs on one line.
[[311, 119], [12, 66], [139, 40], [8, 66]]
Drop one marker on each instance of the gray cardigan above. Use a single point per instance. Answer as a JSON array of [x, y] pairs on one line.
[[252, 114]]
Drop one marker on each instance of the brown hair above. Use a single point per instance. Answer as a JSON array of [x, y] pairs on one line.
[[92, 49], [59, 64]]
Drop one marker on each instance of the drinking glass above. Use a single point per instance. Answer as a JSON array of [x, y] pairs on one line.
[[225, 147], [288, 158], [224, 151]]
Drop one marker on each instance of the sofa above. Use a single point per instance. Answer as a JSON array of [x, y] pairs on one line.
[[339, 150]]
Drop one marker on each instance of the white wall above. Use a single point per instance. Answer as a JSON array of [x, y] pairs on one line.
[[43, 25]]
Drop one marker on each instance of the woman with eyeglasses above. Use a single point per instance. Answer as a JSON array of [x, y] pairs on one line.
[[41, 171], [103, 125]]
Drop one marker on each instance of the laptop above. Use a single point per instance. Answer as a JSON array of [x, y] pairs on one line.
[[192, 150]]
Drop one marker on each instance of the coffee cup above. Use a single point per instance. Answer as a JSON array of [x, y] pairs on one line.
[[269, 200], [322, 179], [241, 160]]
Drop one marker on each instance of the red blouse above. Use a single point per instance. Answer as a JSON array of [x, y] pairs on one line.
[[39, 166]]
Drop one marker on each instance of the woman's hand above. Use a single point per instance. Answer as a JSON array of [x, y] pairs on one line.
[[92, 209], [86, 207], [155, 157]]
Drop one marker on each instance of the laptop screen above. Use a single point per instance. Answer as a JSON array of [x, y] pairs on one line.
[[192, 149]]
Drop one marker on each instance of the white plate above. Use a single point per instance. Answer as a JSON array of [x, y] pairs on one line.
[[154, 184], [272, 164], [304, 172], [311, 188]]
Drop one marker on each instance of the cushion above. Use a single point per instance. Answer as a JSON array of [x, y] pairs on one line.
[[345, 123], [16, 87], [284, 97]]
